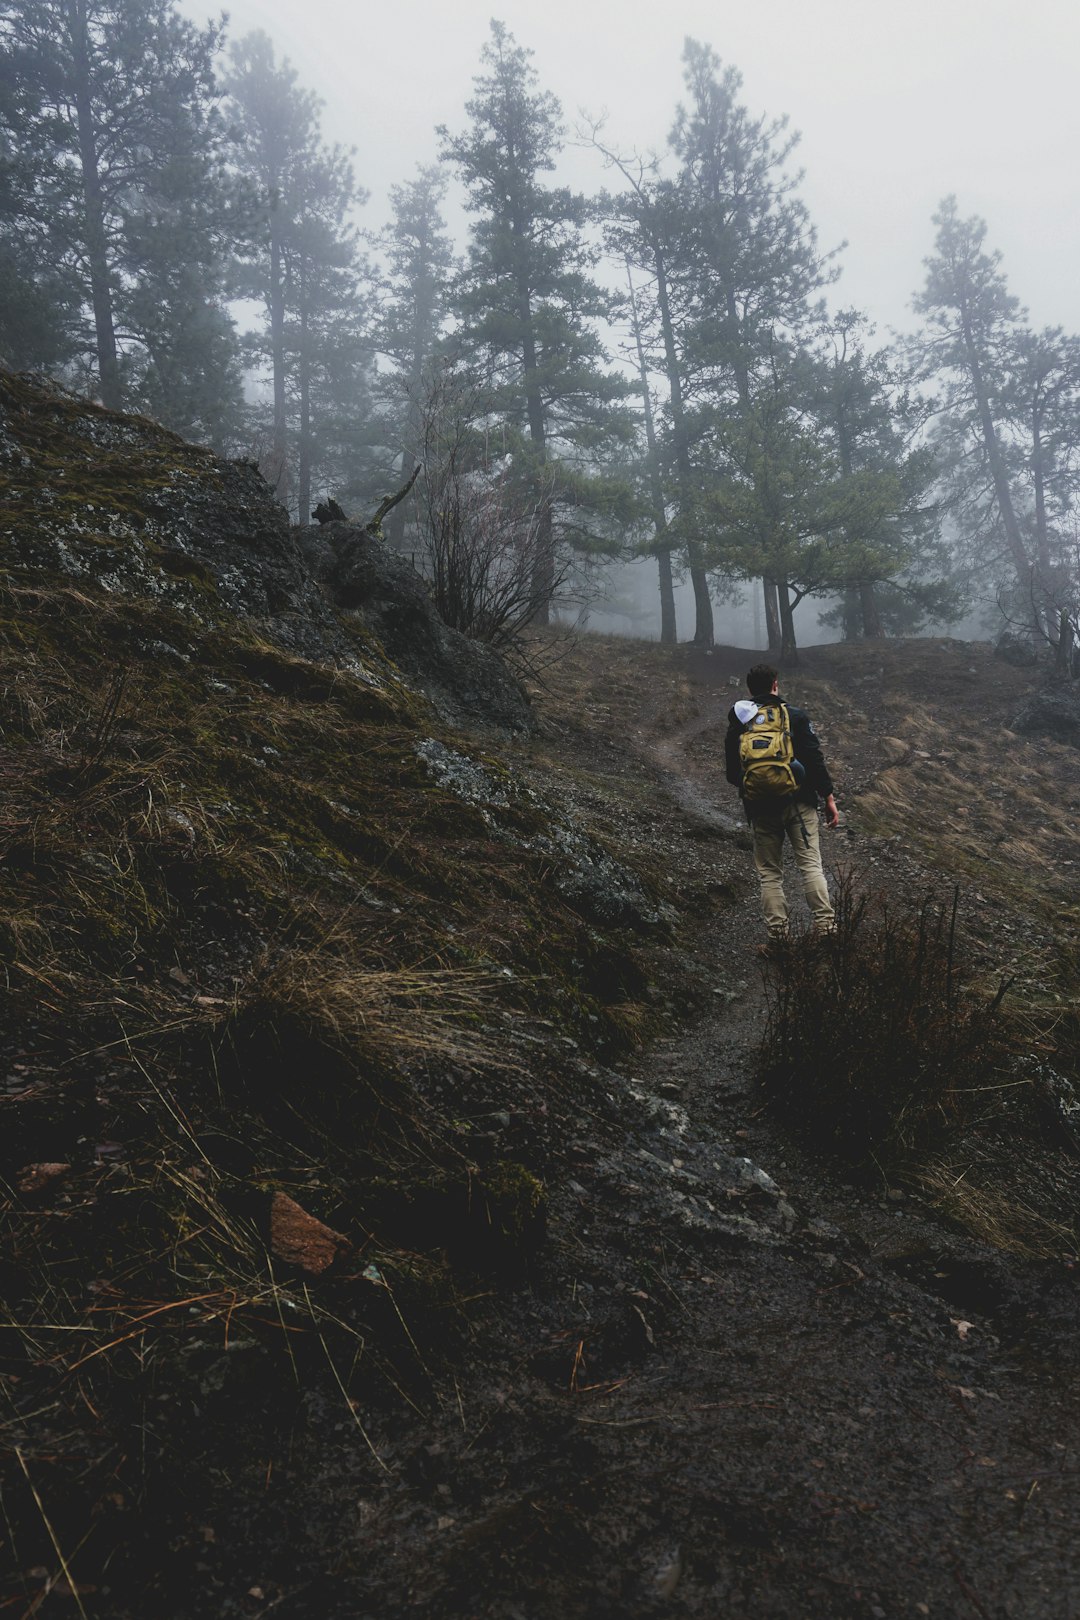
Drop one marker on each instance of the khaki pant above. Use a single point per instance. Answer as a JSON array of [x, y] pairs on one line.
[[800, 823]]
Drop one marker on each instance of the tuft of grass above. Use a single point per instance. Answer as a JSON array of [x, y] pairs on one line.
[[874, 1044], [1001, 1219]]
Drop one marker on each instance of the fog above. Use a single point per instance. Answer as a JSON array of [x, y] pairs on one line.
[[897, 106], [847, 370]]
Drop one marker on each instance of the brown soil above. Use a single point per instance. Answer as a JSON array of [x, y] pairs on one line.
[[733, 1379], [845, 1404]]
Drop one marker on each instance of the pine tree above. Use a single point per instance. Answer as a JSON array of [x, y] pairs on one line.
[[111, 105], [973, 319], [1010, 421], [528, 307], [415, 291], [642, 227], [305, 266], [884, 538], [749, 269]]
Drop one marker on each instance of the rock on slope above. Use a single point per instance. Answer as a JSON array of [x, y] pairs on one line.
[[119, 503]]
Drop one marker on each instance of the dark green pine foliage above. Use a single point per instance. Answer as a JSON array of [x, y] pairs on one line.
[[1008, 431], [1042, 405], [418, 264], [40, 296], [880, 525], [747, 271], [643, 227], [304, 265], [528, 309], [118, 198], [973, 321]]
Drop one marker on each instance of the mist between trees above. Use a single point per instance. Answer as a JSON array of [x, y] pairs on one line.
[[654, 371]]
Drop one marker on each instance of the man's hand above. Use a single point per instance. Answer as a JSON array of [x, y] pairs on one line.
[[832, 814]]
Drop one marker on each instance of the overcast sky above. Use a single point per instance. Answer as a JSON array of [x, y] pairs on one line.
[[897, 105]]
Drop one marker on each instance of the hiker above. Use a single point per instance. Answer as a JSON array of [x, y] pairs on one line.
[[774, 758]]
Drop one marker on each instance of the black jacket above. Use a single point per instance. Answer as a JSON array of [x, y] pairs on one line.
[[804, 740]]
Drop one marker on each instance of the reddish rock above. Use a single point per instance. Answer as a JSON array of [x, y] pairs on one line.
[[33, 1177], [300, 1239]]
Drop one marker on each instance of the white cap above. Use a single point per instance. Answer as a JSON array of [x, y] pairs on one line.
[[745, 711]]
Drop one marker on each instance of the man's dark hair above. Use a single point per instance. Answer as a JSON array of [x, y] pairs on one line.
[[760, 680]]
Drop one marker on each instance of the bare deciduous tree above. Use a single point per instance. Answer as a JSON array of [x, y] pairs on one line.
[[481, 530]]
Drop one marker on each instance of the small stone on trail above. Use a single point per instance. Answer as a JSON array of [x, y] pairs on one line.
[[668, 1575], [32, 1177], [301, 1239]]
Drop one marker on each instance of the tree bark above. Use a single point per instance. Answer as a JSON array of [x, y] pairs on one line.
[[423, 322], [704, 632], [789, 651], [279, 443], [998, 471], [1063, 647], [303, 456], [97, 249], [543, 577], [668, 635], [773, 633], [871, 618]]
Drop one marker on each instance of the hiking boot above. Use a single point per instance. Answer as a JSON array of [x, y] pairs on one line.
[[774, 950]]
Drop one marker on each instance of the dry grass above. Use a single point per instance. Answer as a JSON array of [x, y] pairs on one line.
[[249, 945], [873, 1044], [988, 1213]]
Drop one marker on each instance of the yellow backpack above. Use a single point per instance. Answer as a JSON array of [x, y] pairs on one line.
[[770, 772]]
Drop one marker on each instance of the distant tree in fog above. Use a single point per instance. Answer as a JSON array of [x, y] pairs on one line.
[[750, 267], [303, 263], [415, 285], [731, 264], [884, 551], [528, 310], [113, 187], [478, 528], [1009, 428], [40, 295], [642, 226]]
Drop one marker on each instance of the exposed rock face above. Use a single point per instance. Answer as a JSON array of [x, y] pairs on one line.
[[463, 678], [121, 504], [588, 877], [1054, 714]]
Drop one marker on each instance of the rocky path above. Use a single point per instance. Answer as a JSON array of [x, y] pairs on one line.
[[734, 1384], [748, 1388]]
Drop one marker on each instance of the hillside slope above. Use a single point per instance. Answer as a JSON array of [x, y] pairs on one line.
[[392, 1219]]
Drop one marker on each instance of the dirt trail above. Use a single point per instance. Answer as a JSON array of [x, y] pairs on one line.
[[747, 1387], [734, 1384], [700, 794]]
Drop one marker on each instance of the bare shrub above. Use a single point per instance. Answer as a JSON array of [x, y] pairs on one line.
[[874, 1043], [483, 533]]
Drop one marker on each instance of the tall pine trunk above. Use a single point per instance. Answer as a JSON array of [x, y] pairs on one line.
[[871, 618], [773, 633], [1045, 608], [543, 574], [542, 585], [996, 460], [789, 651], [279, 443], [704, 633], [304, 446], [663, 551], [94, 203]]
